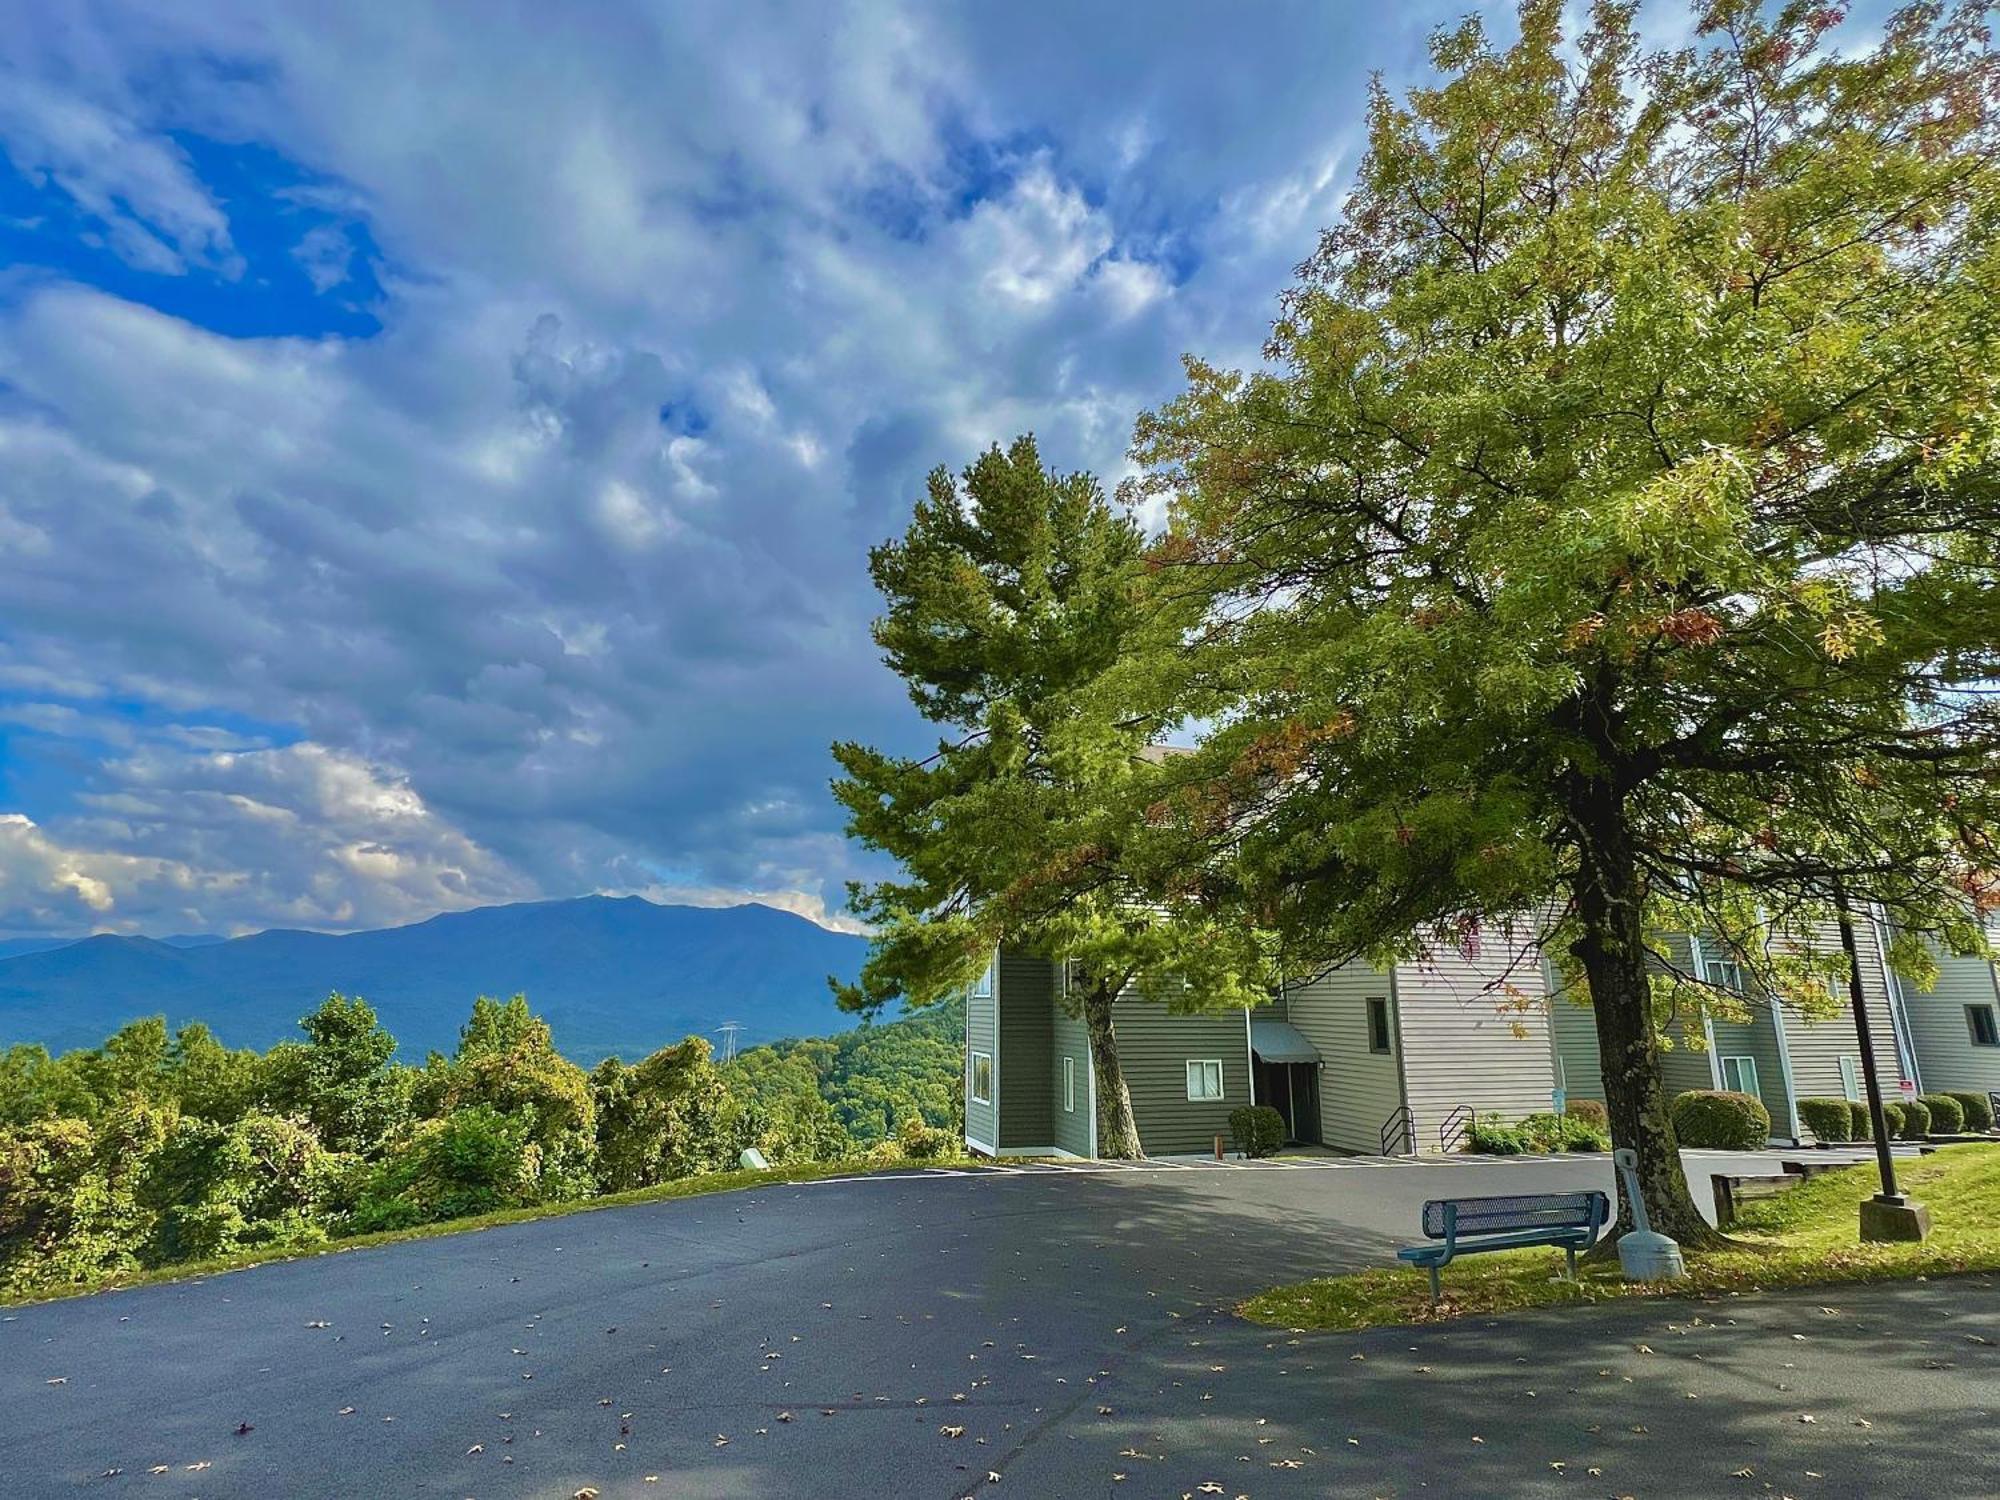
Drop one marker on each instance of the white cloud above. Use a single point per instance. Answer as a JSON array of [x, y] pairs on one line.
[[685, 303]]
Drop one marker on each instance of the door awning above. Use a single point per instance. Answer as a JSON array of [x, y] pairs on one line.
[[1280, 1041]]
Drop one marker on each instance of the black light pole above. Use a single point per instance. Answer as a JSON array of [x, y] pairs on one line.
[[1889, 1215]]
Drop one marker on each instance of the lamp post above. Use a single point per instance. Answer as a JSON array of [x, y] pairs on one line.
[[1890, 1214]]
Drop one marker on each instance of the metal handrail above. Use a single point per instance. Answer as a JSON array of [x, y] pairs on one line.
[[1454, 1128], [1401, 1126]]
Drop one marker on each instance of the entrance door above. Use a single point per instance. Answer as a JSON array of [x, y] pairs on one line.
[[1292, 1089]]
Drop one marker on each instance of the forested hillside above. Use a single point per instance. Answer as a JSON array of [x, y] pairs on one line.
[[162, 1147]]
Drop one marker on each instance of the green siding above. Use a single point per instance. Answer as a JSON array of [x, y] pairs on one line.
[[1154, 1047], [1946, 1056], [1069, 1040], [981, 1123], [1025, 1025], [1358, 1089], [1758, 1038]]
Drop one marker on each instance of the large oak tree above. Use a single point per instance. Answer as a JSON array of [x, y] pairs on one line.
[[1622, 489]]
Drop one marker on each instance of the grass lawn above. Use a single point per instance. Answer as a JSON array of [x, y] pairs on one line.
[[686, 1187], [1802, 1237]]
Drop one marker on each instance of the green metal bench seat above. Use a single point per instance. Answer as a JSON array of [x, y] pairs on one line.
[[1568, 1221]]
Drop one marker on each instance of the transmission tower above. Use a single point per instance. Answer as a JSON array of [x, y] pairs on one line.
[[727, 1031]]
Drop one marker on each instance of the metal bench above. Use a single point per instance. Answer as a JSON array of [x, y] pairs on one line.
[[1568, 1221]]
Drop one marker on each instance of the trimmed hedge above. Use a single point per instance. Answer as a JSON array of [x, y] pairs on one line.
[[1978, 1110], [1829, 1119], [1947, 1114], [1537, 1135], [1591, 1113], [1892, 1116], [1860, 1127], [1721, 1120], [1916, 1120], [1259, 1129]]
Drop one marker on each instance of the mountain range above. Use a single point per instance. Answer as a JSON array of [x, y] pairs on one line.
[[612, 974]]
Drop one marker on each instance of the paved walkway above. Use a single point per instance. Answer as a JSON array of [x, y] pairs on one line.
[[1067, 1332]]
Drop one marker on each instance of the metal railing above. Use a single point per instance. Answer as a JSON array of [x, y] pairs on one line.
[[1455, 1127], [1399, 1132]]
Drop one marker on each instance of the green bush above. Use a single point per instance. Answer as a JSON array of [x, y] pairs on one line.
[[1892, 1116], [921, 1142], [1563, 1132], [1978, 1110], [1720, 1120], [1860, 1127], [1493, 1136], [1916, 1120], [1829, 1119], [475, 1161], [1592, 1113], [1258, 1129], [1947, 1114]]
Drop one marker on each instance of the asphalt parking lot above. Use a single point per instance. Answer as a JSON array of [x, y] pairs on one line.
[[1040, 1333]]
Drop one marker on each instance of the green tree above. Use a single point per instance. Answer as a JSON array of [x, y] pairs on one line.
[[670, 1115], [507, 1061], [339, 1080], [1008, 602], [70, 1210], [472, 1162], [209, 1080], [1626, 462], [218, 1187]]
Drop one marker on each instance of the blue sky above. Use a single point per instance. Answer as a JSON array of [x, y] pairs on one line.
[[439, 444]]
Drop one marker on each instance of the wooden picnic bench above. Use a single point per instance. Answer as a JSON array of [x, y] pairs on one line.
[[1568, 1221], [1732, 1190]]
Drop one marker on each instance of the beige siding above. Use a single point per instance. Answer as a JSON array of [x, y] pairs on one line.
[[1025, 1034], [980, 1119], [1946, 1056], [1358, 1089], [1464, 1041], [1757, 1038], [1154, 1047], [1071, 1130]]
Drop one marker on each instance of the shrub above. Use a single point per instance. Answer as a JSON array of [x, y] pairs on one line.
[[1916, 1120], [1258, 1129], [1978, 1110], [1592, 1113], [921, 1142], [1563, 1132], [1947, 1114], [1720, 1120], [475, 1161], [1493, 1136], [1860, 1127], [1829, 1119], [1892, 1116]]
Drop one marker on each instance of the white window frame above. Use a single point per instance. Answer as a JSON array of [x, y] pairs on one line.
[[1972, 1026], [972, 1062], [1742, 1061], [1069, 1085], [1204, 1063], [1724, 974], [1850, 1077], [982, 987]]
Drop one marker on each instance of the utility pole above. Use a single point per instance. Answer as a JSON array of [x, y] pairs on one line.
[[1890, 1214], [728, 1030]]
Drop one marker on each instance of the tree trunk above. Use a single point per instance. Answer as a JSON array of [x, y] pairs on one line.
[[1612, 950], [1117, 1130]]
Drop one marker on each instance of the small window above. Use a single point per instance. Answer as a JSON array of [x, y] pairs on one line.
[[1725, 974], [1069, 1085], [1850, 1078], [1378, 1025], [982, 987], [1979, 1022], [1739, 1074], [1204, 1078], [982, 1078]]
